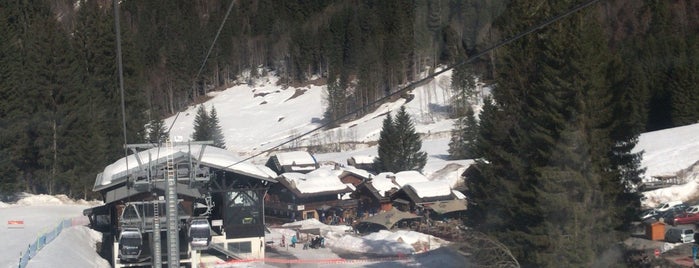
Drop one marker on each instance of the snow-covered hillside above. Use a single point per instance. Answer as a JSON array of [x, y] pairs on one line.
[[671, 152], [260, 116]]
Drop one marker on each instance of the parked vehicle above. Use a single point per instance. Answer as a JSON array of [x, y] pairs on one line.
[[668, 215], [667, 205], [679, 235], [648, 213], [692, 209], [685, 218]]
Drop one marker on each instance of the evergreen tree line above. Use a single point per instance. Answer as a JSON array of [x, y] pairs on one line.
[[60, 113], [60, 116], [208, 128], [556, 176], [362, 49]]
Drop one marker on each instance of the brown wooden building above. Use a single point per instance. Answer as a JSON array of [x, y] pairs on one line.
[[319, 194]]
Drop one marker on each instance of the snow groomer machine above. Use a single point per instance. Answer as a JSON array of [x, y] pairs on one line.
[[177, 204]]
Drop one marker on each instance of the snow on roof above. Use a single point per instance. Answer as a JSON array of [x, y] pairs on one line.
[[363, 159], [212, 156], [410, 176], [430, 188], [351, 186], [295, 158], [359, 172], [320, 180], [383, 183], [458, 194], [669, 150], [451, 173]]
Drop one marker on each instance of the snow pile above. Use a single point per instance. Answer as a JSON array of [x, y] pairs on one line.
[[43, 199], [682, 192], [27, 199], [304, 224], [54, 252], [387, 243]]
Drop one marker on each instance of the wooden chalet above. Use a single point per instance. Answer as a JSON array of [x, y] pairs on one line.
[[420, 195], [299, 162], [318, 194], [374, 194]]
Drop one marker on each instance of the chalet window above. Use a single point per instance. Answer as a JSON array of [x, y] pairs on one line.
[[242, 199], [240, 247], [243, 214]]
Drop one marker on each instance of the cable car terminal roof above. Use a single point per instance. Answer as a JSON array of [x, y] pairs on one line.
[[117, 172]]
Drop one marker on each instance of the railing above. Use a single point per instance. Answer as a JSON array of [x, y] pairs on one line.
[[46, 238]]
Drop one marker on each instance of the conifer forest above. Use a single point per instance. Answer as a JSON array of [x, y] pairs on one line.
[[553, 143]]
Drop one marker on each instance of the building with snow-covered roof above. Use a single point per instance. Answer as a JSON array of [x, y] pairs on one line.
[[410, 176], [298, 161], [374, 194], [316, 194], [422, 194], [206, 183]]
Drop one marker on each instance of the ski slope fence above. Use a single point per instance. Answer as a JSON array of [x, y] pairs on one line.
[[46, 237]]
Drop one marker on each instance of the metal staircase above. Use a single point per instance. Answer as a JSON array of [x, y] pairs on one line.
[[173, 245]]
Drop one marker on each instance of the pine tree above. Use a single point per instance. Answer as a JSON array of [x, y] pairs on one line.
[[156, 132], [546, 144], [464, 137], [216, 132], [10, 64], [457, 143], [683, 80], [202, 127], [399, 145], [387, 148], [463, 85]]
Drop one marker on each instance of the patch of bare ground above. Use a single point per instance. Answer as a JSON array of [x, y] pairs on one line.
[[298, 92], [262, 94], [315, 82]]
